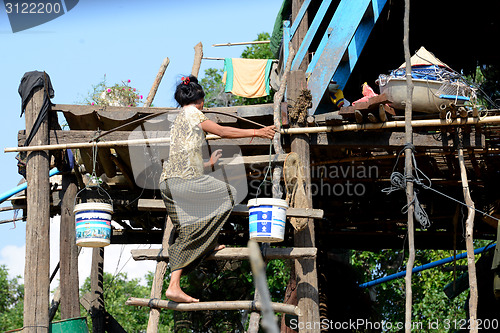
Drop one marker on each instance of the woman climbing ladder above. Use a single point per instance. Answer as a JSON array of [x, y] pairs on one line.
[[197, 204]]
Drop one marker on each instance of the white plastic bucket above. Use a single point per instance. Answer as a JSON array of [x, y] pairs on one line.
[[267, 219], [93, 224]]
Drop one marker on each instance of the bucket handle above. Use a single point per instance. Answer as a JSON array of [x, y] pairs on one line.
[[91, 188]]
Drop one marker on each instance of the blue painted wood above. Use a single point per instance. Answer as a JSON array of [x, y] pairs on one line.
[[286, 40], [300, 16], [357, 44], [311, 32], [345, 21]]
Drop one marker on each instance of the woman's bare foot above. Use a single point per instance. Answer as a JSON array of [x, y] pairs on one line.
[[179, 296], [219, 247]]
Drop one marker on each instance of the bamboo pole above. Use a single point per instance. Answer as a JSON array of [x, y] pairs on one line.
[[243, 43], [269, 322], [214, 306], [394, 124], [161, 268], [303, 130], [408, 169], [469, 229], [278, 149], [156, 82]]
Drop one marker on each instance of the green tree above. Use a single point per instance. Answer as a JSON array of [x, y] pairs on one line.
[[258, 51], [11, 301], [429, 301], [117, 289]]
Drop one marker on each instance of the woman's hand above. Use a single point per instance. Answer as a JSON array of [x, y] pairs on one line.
[[266, 132], [215, 156]]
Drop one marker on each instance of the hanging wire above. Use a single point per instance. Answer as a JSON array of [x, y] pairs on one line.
[[398, 182]]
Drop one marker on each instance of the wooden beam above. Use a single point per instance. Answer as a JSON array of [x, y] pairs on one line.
[[157, 205], [68, 252], [208, 306], [232, 253], [37, 269]]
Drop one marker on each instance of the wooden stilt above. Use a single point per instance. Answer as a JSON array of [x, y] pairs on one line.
[[70, 299], [97, 310], [37, 270], [408, 170], [469, 243], [305, 269], [161, 268]]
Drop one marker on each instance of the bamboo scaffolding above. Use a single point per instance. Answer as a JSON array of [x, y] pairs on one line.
[[215, 306], [303, 130]]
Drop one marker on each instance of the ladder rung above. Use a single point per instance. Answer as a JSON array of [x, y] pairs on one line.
[[204, 306], [157, 205], [233, 253], [256, 159]]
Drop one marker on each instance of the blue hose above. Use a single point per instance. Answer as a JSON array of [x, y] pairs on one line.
[[6, 195], [423, 267]]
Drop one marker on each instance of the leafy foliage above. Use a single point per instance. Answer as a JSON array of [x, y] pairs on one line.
[[429, 301], [258, 51], [215, 94], [117, 289], [11, 301]]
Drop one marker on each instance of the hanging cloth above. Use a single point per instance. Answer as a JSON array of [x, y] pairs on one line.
[[247, 77], [29, 82]]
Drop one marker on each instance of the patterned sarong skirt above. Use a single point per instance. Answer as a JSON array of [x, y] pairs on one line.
[[198, 209]]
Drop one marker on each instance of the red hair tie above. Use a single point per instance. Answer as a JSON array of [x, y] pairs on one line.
[[185, 80]]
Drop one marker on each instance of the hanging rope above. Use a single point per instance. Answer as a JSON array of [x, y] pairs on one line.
[[398, 182]]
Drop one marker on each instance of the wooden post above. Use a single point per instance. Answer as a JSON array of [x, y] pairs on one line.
[[156, 83], [97, 290], [305, 269], [408, 169], [70, 298], [161, 268], [198, 55], [37, 269]]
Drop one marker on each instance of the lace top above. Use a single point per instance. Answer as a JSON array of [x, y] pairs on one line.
[[185, 158]]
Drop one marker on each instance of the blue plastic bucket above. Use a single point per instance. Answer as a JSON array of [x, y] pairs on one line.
[[267, 219], [93, 224]]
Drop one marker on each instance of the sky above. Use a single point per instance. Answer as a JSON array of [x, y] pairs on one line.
[[124, 40]]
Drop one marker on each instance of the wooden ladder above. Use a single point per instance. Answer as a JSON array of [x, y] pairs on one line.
[[162, 256]]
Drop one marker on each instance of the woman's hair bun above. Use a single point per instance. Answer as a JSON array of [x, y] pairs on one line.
[[188, 91]]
